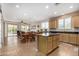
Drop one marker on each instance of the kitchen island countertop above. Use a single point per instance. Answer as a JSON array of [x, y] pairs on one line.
[[48, 34]]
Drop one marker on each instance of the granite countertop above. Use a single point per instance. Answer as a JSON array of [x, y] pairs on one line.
[[48, 34], [68, 31], [57, 32]]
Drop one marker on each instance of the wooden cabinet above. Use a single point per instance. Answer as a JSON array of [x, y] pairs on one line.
[[53, 24], [50, 24], [77, 39], [69, 38], [61, 37], [43, 44], [55, 41], [47, 43], [49, 47], [72, 38], [75, 21], [64, 37]]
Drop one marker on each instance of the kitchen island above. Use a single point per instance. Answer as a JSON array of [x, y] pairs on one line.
[[48, 42]]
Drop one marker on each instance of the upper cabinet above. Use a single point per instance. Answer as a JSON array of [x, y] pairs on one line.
[[75, 21], [68, 21], [53, 24]]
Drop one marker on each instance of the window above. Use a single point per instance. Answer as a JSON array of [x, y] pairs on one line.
[[61, 24], [24, 27], [45, 25], [68, 23], [12, 29], [64, 23]]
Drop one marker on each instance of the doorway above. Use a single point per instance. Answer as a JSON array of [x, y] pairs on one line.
[[12, 30], [12, 34]]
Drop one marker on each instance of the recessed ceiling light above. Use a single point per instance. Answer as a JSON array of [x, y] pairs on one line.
[[71, 7], [47, 6], [55, 12], [17, 6]]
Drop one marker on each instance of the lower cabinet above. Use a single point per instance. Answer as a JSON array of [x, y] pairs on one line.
[[61, 37], [72, 38], [77, 40], [55, 41], [47, 44], [64, 37], [42, 44], [69, 38]]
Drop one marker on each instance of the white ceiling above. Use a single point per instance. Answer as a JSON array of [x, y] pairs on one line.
[[35, 12]]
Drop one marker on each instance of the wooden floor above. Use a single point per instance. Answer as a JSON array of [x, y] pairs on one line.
[[15, 48], [65, 50]]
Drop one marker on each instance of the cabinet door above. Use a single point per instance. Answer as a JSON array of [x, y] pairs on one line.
[[72, 38], [77, 39], [75, 21], [42, 44], [61, 37], [49, 44], [66, 37], [53, 24], [55, 42], [50, 24]]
